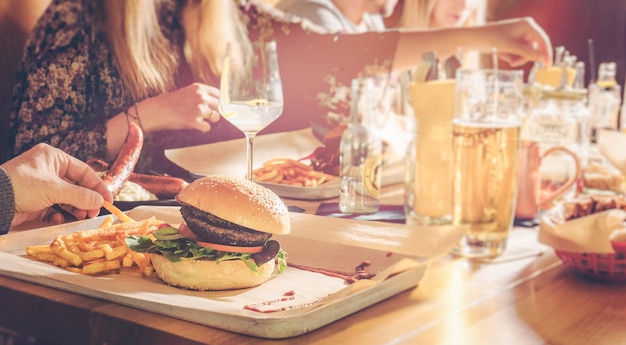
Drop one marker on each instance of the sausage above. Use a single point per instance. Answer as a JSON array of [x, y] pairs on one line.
[[125, 161], [164, 187], [98, 165]]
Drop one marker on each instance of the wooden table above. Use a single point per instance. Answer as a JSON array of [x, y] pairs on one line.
[[533, 300]]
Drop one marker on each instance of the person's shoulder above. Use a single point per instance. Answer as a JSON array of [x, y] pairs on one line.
[[62, 22], [322, 13], [259, 14]]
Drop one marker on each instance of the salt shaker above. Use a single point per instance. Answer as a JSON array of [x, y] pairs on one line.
[[360, 158]]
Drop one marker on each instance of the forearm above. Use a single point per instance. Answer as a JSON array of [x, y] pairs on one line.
[[117, 126], [517, 41], [412, 44]]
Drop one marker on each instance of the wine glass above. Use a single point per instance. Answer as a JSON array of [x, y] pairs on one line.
[[251, 93]]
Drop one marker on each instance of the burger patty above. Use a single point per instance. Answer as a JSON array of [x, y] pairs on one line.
[[210, 228]]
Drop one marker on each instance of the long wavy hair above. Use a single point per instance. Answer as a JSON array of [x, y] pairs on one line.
[[147, 60]]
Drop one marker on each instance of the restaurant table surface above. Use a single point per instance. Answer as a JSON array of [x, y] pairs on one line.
[[532, 299]]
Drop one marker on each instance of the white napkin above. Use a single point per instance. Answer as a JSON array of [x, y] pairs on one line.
[[589, 234], [611, 144]]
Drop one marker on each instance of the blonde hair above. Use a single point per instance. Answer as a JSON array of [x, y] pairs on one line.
[[147, 60], [217, 22]]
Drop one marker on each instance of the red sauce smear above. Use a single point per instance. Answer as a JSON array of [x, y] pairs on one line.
[[287, 296], [349, 278]]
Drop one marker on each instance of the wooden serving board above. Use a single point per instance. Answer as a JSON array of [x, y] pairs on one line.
[[321, 242]]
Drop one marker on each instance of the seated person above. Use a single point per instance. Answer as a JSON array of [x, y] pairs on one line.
[[84, 76]]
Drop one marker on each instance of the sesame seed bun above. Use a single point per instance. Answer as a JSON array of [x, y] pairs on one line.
[[238, 201]]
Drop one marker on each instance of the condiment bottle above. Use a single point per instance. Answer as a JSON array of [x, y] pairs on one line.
[[604, 99], [360, 158]]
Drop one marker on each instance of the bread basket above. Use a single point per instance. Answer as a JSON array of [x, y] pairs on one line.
[[598, 211], [607, 267]]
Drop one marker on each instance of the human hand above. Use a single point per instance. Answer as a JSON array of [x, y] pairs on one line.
[[520, 40], [44, 176], [192, 107]]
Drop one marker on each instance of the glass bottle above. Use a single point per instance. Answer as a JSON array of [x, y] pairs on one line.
[[360, 158], [604, 99]]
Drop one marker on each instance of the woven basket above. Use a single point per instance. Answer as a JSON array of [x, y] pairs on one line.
[[608, 267]]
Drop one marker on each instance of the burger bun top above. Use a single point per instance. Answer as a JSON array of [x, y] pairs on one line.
[[238, 201]]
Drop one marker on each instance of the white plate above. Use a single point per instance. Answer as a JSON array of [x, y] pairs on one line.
[[229, 157]]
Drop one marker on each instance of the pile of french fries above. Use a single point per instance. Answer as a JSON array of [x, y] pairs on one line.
[[290, 172], [101, 250]]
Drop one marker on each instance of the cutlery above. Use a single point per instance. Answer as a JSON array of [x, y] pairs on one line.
[[67, 216]]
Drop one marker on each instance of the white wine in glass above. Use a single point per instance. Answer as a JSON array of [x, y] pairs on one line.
[[251, 93]]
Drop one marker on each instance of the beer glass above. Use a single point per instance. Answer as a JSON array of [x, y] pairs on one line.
[[486, 129]]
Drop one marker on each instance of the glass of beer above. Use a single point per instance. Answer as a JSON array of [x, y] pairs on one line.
[[486, 129]]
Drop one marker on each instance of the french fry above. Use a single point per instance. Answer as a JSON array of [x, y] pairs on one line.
[[59, 261], [58, 246], [128, 260], [117, 252], [290, 172], [101, 267], [85, 246], [147, 270], [100, 250], [44, 248], [108, 221], [41, 253], [117, 212], [92, 255], [106, 247]]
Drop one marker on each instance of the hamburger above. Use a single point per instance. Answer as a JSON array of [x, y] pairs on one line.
[[225, 241]]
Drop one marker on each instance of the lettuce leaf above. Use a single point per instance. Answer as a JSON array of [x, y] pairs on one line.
[[175, 247]]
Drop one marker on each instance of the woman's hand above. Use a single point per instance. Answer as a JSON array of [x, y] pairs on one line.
[[44, 176], [519, 41], [191, 107]]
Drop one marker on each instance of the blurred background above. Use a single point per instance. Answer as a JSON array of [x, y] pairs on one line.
[[570, 23]]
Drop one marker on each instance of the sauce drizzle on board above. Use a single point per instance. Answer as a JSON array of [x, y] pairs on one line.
[[287, 296], [349, 278]]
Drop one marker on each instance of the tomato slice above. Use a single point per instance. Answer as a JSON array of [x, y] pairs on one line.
[[233, 249], [184, 230]]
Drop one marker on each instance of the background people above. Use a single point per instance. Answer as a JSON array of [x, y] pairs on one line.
[[414, 14], [157, 63], [342, 16]]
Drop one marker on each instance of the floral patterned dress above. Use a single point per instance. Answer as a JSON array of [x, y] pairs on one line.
[[69, 83]]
